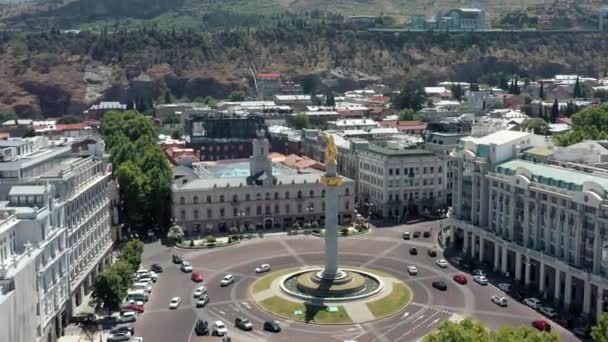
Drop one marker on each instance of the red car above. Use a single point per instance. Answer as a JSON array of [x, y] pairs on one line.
[[197, 277], [542, 325], [133, 307], [460, 279]]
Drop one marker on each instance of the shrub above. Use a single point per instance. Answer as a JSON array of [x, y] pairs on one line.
[[229, 239], [211, 238], [316, 231], [191, 243], [314, 224], [344, 231], [233, 230], [211, 245]]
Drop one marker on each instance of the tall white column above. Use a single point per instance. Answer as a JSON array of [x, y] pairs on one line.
[[527, 272], [567, 289], [517, 266], [503, 260], [587, 297], [473, 238], [331, 226], [496, 256], [541, 277], [481, 248], [465, 246], [558, 284]]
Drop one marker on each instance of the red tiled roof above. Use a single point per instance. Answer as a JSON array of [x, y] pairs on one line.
[[268, 75], [380, 98], [412, 125]]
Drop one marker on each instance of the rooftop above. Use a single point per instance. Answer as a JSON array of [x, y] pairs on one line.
[[234, 169], [377, 149], [498, 138], [23, 190]]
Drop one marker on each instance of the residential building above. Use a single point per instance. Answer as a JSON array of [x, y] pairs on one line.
[[96, 112], [345, 124], [409, 127], [544, 225], [267, 84], [254, 194]]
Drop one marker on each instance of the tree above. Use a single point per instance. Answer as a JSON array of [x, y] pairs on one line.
[[130, 105], [599, 332], [109, 289], [474, 87], [538, 125], [407, 114], [456, 91], [300, 121], [330, 100], [578, 91], [514, 87], [571, 108], [555, 111], [69, 119], [411, 96], [175, 234], [473, 331], [132, 253], [503, 83], [168, 97], [176, 135], [601, 94], [588, 124], [541, 90], [236, 95]]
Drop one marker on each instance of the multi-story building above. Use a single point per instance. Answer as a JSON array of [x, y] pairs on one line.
[[55, 232], [543, 224], [396, 183], [255, 193]]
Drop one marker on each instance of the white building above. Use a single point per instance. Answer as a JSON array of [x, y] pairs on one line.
[[543, 224], [255, 194], [54, 234]]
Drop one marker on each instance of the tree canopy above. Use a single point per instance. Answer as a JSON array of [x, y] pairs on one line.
[[589, 124], [406, 114], [237, 95], [538, 125], [473, 331], [412, 96], [300, 121], [599, 332]]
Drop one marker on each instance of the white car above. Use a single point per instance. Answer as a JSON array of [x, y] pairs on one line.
[[137, 339], [532, 302], [200, 291], [499, 300], [262, 268], [219, 329], [481, 280], [153, 276], [506, 287], [186, 267], [412, 270], [119, 336], [441, 263], [175, 302], [202, 301], [227, 280], [548, 311]]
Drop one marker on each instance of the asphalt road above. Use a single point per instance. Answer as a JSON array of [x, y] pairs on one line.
[[382, 249]]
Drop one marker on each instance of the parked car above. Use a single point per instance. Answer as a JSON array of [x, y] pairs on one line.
[[122, 328], [201, 328], [176, 259], [457, 261], [426, 234], [197, 277], [479, 272], [413, 251], [227, 280], [412, 270], [506, 287], [460, 279], [272, 326], [542, 325], [186, 267], [499, 300], [481, 280], [157, 268], [201, 290], [126, 317], [406, 235], [202, 301], [441, 263], [243, 324], [440, 285], [431, 252], [582, 331], [532, 302], [175, 302], [548, 311], [219, 329], [132, 307], [119, 336], [153, 276], [262, 268], [416, 235]]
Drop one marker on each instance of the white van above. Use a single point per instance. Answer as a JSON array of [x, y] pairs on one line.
[[142, 286], [136, 295]]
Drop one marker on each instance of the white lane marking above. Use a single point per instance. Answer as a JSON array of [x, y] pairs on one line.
[[417, 326], [418, 318], [351, 329], [245, 304], [222, 312], [433, 322], [405, 315]]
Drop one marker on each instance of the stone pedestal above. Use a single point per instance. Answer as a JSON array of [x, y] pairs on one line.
[[332, 208]]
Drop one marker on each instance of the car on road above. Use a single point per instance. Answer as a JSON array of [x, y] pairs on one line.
[[227, 280], [219, 328], [460, 279], [262, 268], [416, 235], [153, 275], [505, 287], [431, 252], [186, 267], [440, 285], [479, 272], [532, 302], [272, 326], [542, 325], [548, 311], [412, 270], [126, 317], [157, 268], [441, 263], [176, 259], [175, 302], [499, 300], [413, 251], [426, 234], [243, 324], [197, 277], [481, 280], [202, 301], [201, 328], [201, 290], [122, 328], [406, 235], [132, 307], [119, 336]]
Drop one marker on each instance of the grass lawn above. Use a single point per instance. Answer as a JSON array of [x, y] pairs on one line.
[[399, 297], [264, 283], [309, 313]]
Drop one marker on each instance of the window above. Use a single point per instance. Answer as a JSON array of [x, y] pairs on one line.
[[322, 193], [276, 195], [247, 211], [347, 191], [268, 196], [287, 208], [222, 212], [182, 215], [311, 193], [390, 172], [267, 210], [208, 199], [432, 169], [397, 171], [182, 200], [347, 205], [299, 193], [195, 200], [258, 196], [258, 210], [235, 212], [276, 208], [286, 194], [248, 197], [235, 198], [196, 214], [300, 208], [221, 198]]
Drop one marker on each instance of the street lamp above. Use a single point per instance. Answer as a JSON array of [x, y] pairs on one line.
[[239, 215], [310, 210]]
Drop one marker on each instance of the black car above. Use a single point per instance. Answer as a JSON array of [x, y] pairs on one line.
[[272, 326], [416, 235], [440, 285], [243, 323], [201, 328], [413, 251], [426, 234], [177, 259], [157, 268], [122, 328], [431, 252]]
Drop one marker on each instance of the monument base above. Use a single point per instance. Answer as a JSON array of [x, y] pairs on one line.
[[343, 284]]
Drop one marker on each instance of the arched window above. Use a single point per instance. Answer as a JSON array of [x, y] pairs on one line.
[[299, 193], [182, 200], [195, 200], [235, 198], [276, 208], [268, 210], [258, 210], [276, 195], [311, 193], [196, 214], [208, 199], [222, 212], [182, 215], [248, 197], [286, 194], [322, 193], [235, 212], [258, 196], [267, 195], [247, 211], [221, 198], [209, 213]]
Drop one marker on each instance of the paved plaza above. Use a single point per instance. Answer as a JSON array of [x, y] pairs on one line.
[[382, 249]]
